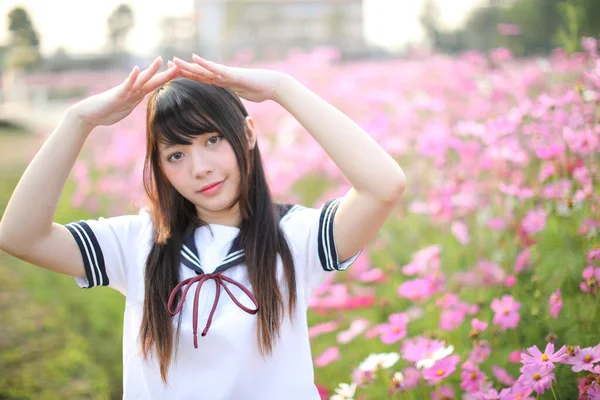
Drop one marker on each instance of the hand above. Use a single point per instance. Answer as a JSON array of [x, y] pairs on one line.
[[115, 104], [255, 85]]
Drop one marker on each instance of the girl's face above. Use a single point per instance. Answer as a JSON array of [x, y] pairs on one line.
[[206, 173]]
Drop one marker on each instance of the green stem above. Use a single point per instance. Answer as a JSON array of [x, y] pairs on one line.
[[553, 393]]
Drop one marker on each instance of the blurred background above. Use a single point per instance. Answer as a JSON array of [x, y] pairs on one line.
[[434, 75], [38, 37]]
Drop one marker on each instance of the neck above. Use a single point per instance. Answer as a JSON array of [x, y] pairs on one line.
[[230, 217]]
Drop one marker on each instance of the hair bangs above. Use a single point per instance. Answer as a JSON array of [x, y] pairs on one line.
[[178, 122]]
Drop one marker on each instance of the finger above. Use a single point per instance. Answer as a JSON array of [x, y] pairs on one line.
[[194, 77], [130, 80], [194, 69], [160, 79], [148, 73], [213, 67]]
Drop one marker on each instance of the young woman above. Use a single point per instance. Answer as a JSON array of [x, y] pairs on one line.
[[213, 252]]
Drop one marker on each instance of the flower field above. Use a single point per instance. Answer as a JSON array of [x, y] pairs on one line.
[[485, 282]]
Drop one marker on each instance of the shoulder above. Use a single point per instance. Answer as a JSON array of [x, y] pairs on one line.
[[122, 227]]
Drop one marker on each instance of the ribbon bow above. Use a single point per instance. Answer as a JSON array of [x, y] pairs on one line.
[[219, 281]]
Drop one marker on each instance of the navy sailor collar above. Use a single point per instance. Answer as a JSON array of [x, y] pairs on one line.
[[190, 258]]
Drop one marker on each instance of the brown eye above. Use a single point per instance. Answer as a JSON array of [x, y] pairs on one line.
[[214, 139], [173, 157]]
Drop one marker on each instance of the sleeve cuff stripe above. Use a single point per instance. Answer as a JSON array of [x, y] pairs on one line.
[[327, 249], [91, 252]]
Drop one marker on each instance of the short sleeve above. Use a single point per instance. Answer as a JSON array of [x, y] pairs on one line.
[[311, 233], [107, 247]]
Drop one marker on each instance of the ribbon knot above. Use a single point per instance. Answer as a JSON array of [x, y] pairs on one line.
[[219, 281]]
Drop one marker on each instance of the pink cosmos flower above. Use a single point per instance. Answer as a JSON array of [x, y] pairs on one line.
[[357, 327], [417, 289], [481, 351], [510, 281], [522, 261], [535, 221], [328, 356], [395, 330], [444, 392], [412, 376], [515, 356], [502, 375], [516, 392], [592, 277], [555, 304], [537, 377], [451, 319], [441, 369], [471, 377], [593, 255], [584, 359], [419, 348], [545, 359], [478, 325], [322, 328], [507, 312], [461, 232]]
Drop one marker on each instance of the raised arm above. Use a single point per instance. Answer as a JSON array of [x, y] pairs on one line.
[[378, 181], [27, 230]]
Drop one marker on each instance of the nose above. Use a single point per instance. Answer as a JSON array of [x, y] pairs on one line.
[[201, 164]]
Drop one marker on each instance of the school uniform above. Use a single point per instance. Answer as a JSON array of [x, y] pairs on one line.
[[226, 362]]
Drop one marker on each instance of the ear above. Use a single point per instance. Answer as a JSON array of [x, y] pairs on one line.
[[250, 133]]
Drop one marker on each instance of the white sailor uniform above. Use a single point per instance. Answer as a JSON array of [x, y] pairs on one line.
[[218, 356]]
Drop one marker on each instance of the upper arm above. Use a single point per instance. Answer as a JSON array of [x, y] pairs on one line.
[[56, 251], [95, 252], [357, 221]]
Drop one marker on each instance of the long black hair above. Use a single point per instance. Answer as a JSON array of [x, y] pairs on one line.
[[178, 111]]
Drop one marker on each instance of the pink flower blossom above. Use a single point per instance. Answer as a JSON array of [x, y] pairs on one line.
[[584, 359], [357, 327], [545, 359], [322, 328], [461, 232], [522, 261], [417, 289], [515, 356], [419, 348], [395, 330], [555, 304], [478, 325], [592, 278], [328, 356], [412, 376], [537, 377], [445, 392], [471, 377], [441, 369], [535, 221], [502, 375], [510, 281], [481, 351], [507, 312]]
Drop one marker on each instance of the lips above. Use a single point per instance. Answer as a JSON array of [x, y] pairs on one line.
[[209, 186]]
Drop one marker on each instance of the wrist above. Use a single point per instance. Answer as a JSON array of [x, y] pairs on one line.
[[285, 84], [73, 118]]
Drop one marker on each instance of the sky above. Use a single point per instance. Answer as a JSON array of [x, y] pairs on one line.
[[387, 23]]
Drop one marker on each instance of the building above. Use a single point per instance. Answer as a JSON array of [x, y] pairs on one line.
[[270, 28]]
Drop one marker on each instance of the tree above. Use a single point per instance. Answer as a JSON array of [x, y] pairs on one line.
[[119, 23], [430, 20], [24, 45]]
